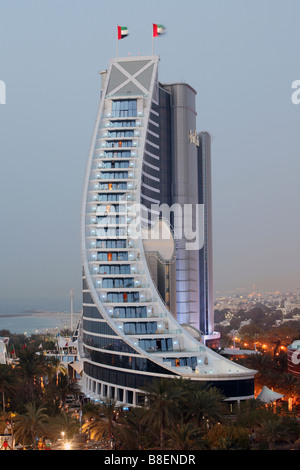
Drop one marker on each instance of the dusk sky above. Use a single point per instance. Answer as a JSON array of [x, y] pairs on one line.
[[240, 55]]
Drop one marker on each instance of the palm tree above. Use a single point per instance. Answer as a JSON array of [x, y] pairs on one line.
[[31, 367], [31, 425], [185, 436], [58, 368], [7, 382], [63, 422], [132, 433], [162, 406], [206, 405], [289, 385], [273, 430], [101, 427], [229, 436], [56, 392]]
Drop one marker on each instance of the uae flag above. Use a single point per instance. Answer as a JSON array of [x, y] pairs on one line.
[[122, 32], [158, 29]]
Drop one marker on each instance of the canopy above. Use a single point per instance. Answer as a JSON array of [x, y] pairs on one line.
[[77, 365], [268, 396], [67, 343]]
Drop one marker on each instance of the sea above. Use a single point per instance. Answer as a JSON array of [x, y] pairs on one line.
[[35, 323]]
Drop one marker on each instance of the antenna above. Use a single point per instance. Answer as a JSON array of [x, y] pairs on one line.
[[72, 298]]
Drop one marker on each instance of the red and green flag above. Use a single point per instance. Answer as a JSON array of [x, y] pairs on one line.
[[122, 32], [158, 29]]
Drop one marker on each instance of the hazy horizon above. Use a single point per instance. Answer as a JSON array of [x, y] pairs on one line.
[[241, 57]]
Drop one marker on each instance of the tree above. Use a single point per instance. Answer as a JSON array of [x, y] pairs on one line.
[[63, 422], [289, 385], [58, 368], [228, 437], [7, 383], [132, 433], [31, 425], [57, 390], [31, 368], [207, 405], [273, 430], [101, 426], [162, 405], [185, 436]]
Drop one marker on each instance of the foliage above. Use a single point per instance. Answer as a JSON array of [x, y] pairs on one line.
[[30, 426], [177, 413], [228, 437], [101, 426]]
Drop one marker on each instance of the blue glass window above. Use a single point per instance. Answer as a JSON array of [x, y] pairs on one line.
[[124, 108]]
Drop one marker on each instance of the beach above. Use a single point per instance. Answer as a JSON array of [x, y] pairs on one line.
[[37, 322]]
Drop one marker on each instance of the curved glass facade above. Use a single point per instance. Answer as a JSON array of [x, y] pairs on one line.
[[128, 335]]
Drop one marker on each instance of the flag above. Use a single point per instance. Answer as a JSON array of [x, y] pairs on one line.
[[158, 29], [122, 32]]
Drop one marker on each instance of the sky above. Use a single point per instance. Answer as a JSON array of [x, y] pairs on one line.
[[240, 55]]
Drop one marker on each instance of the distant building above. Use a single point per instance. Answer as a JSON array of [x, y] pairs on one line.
[[3, 350], [293, 358], [290, 306]]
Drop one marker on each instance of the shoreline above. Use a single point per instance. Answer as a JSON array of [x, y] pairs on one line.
[[38, 314]]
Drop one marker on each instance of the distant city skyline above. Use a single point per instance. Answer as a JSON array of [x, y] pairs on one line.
[[241, 58]]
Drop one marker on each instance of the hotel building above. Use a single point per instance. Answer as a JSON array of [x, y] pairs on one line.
[[146, 242]]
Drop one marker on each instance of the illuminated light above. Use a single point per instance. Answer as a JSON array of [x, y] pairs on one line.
[[67, 446]]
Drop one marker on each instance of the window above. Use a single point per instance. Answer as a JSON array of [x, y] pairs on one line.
[[123, 123], [124, 108]]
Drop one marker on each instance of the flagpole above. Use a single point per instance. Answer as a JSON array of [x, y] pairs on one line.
[[117, 41], [152, 41], [72, 297]]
